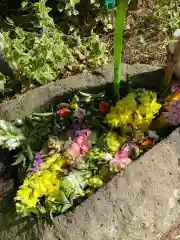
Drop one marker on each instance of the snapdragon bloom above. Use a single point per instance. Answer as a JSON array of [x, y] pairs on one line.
[[122, 158], [173, 113], [37, 163], [80, 144]]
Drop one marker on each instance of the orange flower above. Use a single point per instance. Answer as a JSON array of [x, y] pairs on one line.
[[104, 107], [64, 112], [173, 96], [147, 142]]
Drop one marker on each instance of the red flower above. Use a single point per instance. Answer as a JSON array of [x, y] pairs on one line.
[[104, 107], [1, 194], [147, 142], [64, 112]]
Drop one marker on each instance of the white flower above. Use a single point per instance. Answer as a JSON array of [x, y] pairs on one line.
[[153, 134], [3, 125], [19, 121], [12, 144], [108, 156], [3, 138]]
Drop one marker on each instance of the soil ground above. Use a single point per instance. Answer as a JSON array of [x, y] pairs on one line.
[[144, 39]]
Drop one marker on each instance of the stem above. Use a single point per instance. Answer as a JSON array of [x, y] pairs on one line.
[[118, 42]]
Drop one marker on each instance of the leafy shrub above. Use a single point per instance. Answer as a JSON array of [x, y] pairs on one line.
[[167, 13], [39, 57]]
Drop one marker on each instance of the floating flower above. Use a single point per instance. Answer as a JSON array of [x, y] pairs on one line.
[[83, 132], [64, 112], [80, 144], [45, 182], [147, 142], [153, 134], [10, 136], [173, 113], [1, 194], [174, 96], [95, 182], [175, 88], [108, 156], [73, 105], [104, 107], [37, 162], [113, 141], [123, 158], [119, 163], [135, 111], [138, 135], [75, 127], [79, 113]]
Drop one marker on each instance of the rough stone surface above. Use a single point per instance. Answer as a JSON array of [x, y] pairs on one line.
[[142, 204], [37, 98]]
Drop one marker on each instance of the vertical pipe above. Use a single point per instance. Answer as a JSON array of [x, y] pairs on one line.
[[118, 42]]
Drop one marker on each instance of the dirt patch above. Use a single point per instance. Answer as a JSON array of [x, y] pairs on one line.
[[144, 39]]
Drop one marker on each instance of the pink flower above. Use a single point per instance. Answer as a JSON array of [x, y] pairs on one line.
[[83, 133], [79, 113], [80, 144], [175, 88], [122, 158], [173, 113], [122, 162]]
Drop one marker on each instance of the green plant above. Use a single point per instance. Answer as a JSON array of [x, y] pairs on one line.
[[167, 13], [68, 6], [41, 57]]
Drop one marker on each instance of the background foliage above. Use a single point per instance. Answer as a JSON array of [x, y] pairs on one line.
[[79, 37], [47, 40]]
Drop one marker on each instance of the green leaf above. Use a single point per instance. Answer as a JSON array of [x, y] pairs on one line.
[[66, 207], [10, 21], [19, 160], [43, 114], [67, 144], [30, 154], [93, 137], [85, 94], [100, 143]]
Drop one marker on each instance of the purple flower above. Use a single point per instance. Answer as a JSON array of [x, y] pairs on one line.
[[37, 162], [50, 33], [75, 127], [173, 113], [175, 88], [54, 45]]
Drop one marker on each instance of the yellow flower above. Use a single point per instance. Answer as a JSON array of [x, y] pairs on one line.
[[73, 105], [134, 111], [42, 183]]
